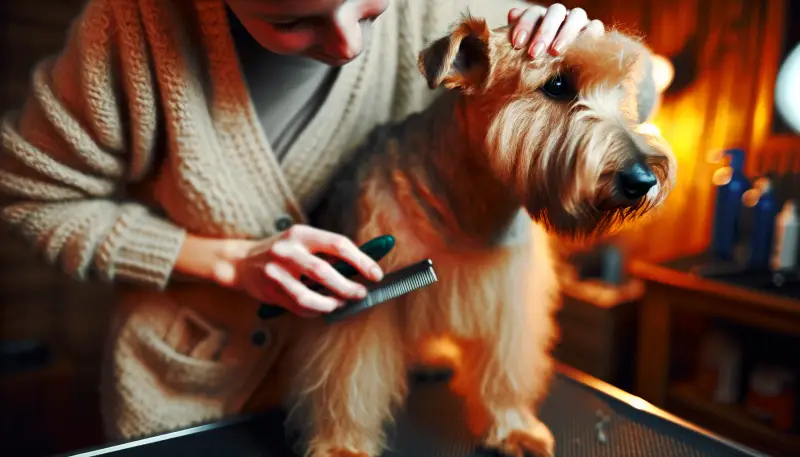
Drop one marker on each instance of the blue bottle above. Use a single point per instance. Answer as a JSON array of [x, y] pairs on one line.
[[728, 206], [765, 213]]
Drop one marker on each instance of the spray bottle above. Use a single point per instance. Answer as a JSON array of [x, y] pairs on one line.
[[787, 235], [731, 184], [764, 213]]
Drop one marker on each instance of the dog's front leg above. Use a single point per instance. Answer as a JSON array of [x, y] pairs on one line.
[[353, 376], [501, 390]]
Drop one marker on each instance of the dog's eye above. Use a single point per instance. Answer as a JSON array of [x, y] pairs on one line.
[[559, 88]]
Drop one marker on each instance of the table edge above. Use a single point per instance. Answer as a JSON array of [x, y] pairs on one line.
[[570, 372]]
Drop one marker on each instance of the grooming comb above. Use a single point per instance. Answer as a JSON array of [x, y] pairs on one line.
[[393, 285], [376, 249]]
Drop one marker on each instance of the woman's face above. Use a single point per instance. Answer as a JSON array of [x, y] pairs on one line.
[[331, 31]]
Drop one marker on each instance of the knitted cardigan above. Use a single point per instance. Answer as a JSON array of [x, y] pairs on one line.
[[140, 130]]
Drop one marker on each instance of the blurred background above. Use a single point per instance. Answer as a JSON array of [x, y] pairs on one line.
[[696, 310]]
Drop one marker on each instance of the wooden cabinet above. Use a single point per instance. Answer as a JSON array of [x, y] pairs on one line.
[[597, 323], [672, 291]]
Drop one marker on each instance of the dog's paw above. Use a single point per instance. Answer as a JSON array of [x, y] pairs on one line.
[[535, 440], [345, 453], [525, 444], [337, 452], [317, 450]]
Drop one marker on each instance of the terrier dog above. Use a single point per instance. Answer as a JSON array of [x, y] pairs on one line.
[[513, 153]]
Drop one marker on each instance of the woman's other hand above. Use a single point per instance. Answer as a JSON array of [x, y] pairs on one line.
[[550, 29], [270, 270]]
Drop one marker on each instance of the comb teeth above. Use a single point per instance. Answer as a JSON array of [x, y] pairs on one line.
[[396, 284]]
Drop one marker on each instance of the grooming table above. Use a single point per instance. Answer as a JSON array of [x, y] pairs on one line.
[[589, 418]]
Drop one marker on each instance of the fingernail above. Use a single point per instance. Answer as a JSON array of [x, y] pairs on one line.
[[376, 273], [360, 292], [538, 48], [519, 39], [558, 46], [334, 304]]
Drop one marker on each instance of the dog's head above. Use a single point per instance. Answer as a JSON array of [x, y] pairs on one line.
[[561, 131]]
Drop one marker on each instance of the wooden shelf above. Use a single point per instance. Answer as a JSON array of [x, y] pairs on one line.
[[721, 299], [731, 421]]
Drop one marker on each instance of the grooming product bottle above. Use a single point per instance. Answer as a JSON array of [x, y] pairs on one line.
[[731, 184], [772, 396], [612, 269], [787, 229], [720, 366], [765, 212]]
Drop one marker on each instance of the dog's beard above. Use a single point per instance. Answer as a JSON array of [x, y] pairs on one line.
[[563, 164]]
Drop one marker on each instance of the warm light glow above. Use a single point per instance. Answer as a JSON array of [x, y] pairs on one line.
[[648, 128], [716, 156], [663, 72], [762, 184], [722, 176], [750, 197], [639, 403], [681, 131]]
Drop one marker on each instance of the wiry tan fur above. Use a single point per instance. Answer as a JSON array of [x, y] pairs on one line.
[[475, 183]]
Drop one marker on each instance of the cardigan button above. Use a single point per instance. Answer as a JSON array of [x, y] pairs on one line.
[[283, 223], [259, 338]]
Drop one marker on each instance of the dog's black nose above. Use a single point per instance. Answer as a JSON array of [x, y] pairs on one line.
[[636, 180]]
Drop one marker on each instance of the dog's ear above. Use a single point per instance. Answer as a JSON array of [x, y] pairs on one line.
[[459, 60]]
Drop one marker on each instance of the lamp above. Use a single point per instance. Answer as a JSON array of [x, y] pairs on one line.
[[663, 73], [787, 90]]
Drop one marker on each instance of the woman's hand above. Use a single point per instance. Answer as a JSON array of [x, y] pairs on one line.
[[558, 29], [270, 270]]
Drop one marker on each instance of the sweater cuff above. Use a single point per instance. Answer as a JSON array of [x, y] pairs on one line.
[[141, 249]]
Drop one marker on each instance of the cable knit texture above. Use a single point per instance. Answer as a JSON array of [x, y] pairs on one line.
[[142, 129]]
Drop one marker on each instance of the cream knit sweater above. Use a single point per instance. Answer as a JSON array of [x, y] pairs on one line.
[[142, 129]]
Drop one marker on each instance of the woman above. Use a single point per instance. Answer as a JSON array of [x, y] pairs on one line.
[[174, 147]]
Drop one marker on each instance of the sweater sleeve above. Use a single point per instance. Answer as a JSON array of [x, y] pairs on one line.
[[88, 128]]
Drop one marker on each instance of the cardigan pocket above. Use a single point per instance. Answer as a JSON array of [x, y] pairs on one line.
[[165, 373], [186, 357]]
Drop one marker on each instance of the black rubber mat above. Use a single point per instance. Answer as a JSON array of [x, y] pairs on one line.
[[431, 426]]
